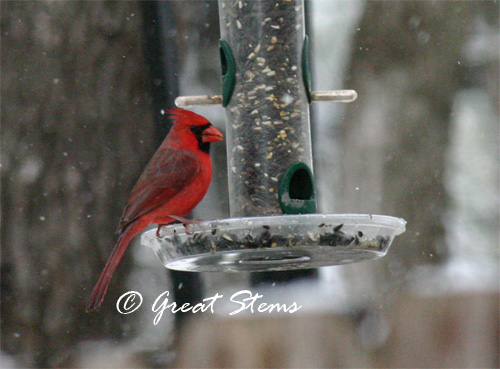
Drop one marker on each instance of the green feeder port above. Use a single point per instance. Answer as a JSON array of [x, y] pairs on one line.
[[306, 71], [228, 72], [297, 194]]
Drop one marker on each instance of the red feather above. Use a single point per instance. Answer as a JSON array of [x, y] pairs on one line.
[[175, 180], [160, 182]]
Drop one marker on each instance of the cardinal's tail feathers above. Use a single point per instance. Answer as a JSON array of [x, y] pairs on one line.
[[102, 284]]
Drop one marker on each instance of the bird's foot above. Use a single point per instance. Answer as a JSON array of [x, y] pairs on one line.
[[186, 222], [159, 229]]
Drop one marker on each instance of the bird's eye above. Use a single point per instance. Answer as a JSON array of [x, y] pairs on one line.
[[198, 130]]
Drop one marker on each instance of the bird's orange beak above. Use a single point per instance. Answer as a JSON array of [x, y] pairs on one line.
[[211, 134]]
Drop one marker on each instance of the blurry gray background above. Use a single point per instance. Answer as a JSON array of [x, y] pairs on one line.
[[421, 143]]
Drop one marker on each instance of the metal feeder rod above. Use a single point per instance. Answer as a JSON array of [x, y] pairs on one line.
[[344, 96]]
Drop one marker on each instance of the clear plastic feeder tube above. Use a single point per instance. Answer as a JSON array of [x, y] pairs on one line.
[[267, 112]]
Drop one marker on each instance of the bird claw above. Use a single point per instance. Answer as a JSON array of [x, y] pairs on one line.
[[186, 222], [159, 229]]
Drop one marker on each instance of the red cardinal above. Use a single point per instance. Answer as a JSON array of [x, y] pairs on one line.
[[173, 183]]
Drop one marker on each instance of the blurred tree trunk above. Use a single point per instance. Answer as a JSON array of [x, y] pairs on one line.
[[395, 135], [76, 131]]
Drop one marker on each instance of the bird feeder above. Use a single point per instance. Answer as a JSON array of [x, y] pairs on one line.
[[266, 92]]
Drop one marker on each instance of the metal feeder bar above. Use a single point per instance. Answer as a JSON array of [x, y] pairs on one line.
[[344, 96]]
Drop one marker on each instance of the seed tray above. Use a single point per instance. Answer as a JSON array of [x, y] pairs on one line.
[[274, 243]]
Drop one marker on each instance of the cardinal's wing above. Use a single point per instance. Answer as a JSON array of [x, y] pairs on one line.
[[168, 172]]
